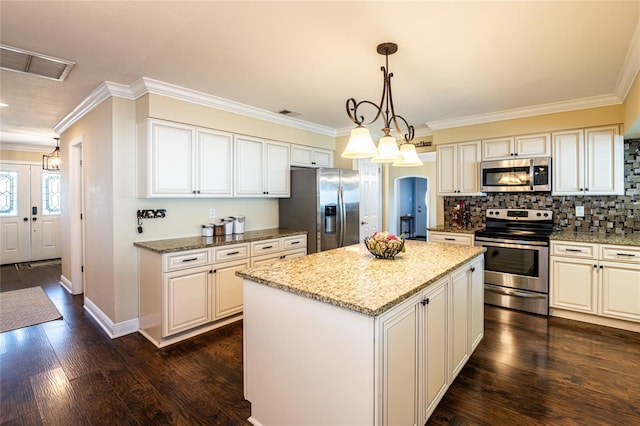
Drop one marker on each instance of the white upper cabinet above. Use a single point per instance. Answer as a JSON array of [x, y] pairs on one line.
[[588, 162], [525, 146], [177, 160], [304, 156], [215, 162], [261, 168], [458, 168]]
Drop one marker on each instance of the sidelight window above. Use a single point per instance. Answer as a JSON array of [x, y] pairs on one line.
[[8, 193], [51, 193]]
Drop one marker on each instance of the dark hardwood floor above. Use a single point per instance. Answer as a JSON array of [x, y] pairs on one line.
[[528, 370]]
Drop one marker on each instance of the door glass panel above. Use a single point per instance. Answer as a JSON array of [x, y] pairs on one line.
[[512, 261], [8, 193], [50, 193]]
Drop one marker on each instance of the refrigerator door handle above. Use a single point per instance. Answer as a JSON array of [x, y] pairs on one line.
[[343, 217]]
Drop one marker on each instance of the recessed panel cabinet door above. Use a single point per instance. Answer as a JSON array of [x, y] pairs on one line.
[[215, 163], [172, 159], [228, 288], [620, 290], [277, 174], [447, 169], [434, 344], [400, 366], [249, 172], [568, 162], [185, 300], [573, 284], [459, 320]]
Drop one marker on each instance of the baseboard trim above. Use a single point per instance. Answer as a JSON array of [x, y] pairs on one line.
[[66, 284], [112, 329], [595, 319]]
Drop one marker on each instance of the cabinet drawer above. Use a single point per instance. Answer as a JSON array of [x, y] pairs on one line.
[[295, 242], [451, 238], [185, 259], [581, 250], [259, 248], [620, 253], [236, 251]]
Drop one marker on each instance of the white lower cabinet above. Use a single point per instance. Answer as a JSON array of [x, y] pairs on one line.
[[227, 288], [620, 291], [426, 341], [574, 284], [185, 299], [600, 280], [460, 238], [189, 292]]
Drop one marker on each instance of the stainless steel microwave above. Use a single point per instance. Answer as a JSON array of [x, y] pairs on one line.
[[521, 175]]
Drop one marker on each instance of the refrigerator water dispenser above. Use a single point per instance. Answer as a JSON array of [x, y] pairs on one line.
[[330, 219]]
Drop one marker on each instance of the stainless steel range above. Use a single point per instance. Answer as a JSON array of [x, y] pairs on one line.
[[517, 258]]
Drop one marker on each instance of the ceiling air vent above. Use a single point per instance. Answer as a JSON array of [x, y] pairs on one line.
[[23, 61], [289, 113]]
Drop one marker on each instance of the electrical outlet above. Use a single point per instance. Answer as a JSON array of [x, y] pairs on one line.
[[212, 213], [579, 211]]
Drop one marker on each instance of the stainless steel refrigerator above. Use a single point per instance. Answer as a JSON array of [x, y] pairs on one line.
[[325, 203]]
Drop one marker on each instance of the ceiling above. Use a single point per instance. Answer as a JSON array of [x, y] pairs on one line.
[[458, 62]]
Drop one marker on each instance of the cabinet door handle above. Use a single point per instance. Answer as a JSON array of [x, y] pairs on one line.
[[449, 239], [473, 269], [626, 254], [266, 247], [600, 266], [189, 260], [425, 302], [295, 242], [574, 250], [595, 266], [231, 253]]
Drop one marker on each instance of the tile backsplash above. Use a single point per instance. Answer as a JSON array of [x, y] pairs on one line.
[[604, 214]]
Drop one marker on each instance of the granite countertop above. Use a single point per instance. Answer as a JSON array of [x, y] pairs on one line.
[[449, 228], [350, 277], [190, 243], [596, 238]]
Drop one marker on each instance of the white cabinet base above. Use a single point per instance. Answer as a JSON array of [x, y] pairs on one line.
[[595, 319]]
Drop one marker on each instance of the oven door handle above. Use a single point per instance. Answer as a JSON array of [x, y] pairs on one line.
[[500, 242], [505, 292]]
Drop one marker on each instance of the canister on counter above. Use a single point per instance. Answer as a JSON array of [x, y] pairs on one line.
[[207, 230], [238, 225]]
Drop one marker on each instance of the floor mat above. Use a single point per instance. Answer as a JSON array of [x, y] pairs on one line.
[[22, 308], [30, 265]]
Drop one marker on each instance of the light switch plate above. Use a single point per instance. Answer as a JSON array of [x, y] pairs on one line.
[[212, 213], [579, 211]]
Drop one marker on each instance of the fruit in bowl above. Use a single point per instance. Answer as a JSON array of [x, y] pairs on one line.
[[384, 245]]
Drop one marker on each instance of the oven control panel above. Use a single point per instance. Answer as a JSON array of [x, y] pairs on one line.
[[520, 214]]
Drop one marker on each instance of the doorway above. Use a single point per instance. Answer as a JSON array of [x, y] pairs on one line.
[[412, 208], [30, 200]]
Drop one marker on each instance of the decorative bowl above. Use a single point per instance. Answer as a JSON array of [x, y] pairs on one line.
[[384, 245]]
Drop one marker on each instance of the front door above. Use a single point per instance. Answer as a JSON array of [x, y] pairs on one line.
[[29, 213]]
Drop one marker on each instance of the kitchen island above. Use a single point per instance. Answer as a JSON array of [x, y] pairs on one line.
[[340, 337]]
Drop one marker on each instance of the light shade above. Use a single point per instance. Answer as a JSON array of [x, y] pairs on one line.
[[52, 161], [388, 151], [360, 144], [409, 156]]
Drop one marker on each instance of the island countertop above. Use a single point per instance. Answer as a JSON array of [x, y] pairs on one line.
[[189, 243], [350, 277]]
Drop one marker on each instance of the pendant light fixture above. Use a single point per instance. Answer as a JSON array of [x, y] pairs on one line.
[[51, 162], [361, 145]]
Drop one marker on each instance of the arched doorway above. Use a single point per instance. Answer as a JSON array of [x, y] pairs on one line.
[[412, 206]]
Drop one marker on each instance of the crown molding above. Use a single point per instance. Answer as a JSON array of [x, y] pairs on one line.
[[631, 66], [146, 85], [551, 108], [28, 147], [100, 94]]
